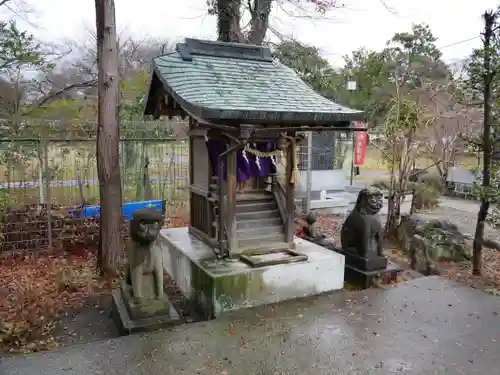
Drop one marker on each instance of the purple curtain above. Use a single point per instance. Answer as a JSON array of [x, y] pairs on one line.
[[248, 165], [215, 148], [261, 167]]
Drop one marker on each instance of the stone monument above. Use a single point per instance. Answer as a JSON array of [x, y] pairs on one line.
[[362, 239], [140, 303]]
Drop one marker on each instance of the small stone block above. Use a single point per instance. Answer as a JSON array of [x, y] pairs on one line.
[[391, 273], [147, 309], [126, 325], [364, 279], [360, 278], [374, 263]]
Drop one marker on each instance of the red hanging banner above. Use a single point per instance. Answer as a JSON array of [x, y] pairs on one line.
[[360, 141]]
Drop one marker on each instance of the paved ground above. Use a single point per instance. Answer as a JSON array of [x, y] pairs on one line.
[[462, 213], [428, 326]]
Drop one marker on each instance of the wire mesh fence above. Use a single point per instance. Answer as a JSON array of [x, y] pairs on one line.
[[323, 164], [48, 171]]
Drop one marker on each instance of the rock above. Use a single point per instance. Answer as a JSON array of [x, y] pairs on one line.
[[441, 239], [422, 258], [410, 224], [491, 244]]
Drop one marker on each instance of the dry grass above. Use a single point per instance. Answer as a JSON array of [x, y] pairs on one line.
[[489, 281], [65, 160], [70, 195], [167, 164], [374, 161]]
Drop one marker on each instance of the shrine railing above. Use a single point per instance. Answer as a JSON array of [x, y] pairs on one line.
[[280, 196], [202, 212]]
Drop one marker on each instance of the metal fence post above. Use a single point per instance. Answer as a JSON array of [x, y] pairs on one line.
[[309, 172], [175, 146], [48, 196], [41, 162]]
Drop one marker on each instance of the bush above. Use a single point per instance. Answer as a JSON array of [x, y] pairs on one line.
[[435, 181], [381, 184], [428, 189]]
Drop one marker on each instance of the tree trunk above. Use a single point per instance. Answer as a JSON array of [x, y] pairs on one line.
[[229, 21], [108, 139], [477, 246], [259, 22]]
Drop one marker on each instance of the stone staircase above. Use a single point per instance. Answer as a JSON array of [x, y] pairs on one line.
[[258, 221]]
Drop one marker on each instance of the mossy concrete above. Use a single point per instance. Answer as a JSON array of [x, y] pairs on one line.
[[147, 308], [214, 287], [127, 324]]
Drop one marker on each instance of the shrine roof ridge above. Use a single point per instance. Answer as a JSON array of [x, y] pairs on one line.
[[197, 47]]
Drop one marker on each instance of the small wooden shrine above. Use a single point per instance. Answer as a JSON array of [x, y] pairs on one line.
[[246, 114]]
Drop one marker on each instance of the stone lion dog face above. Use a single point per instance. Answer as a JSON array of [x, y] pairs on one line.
[[370, 201]]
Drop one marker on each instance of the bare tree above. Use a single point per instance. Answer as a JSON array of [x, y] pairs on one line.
[[451, 121], [108, 138], [489, 73], [230, 13]]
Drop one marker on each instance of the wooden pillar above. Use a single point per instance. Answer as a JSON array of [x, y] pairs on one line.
[[290, 193], [230, 203], [209, 204], [192, 209]]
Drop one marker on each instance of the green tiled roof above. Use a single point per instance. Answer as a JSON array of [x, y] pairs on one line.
[[229, 81]]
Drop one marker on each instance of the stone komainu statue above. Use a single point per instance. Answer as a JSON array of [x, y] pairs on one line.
[[144, 272], [362, 232]]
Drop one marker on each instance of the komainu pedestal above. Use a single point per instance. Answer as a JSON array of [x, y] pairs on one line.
[[140, 303], [363, 239]]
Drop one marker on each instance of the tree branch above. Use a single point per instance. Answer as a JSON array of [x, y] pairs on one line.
[[57, 94]]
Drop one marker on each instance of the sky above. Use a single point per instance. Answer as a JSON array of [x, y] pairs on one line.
[[360, 23]]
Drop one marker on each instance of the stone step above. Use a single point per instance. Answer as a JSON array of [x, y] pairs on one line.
[[277, 230], [258, 215], [254, 195], [270, 241], [250, 196], [249, 224], [249, 206]]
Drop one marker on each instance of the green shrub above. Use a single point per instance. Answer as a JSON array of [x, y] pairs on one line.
[[381, 184], [428, 190], [433, 180]]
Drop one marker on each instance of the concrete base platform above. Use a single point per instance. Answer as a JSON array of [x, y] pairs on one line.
[[374, 263], [213, 287], [126, 325], [426, 326], [364, 279]]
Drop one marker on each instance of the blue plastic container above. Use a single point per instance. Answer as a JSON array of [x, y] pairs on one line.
[[128, 209]]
